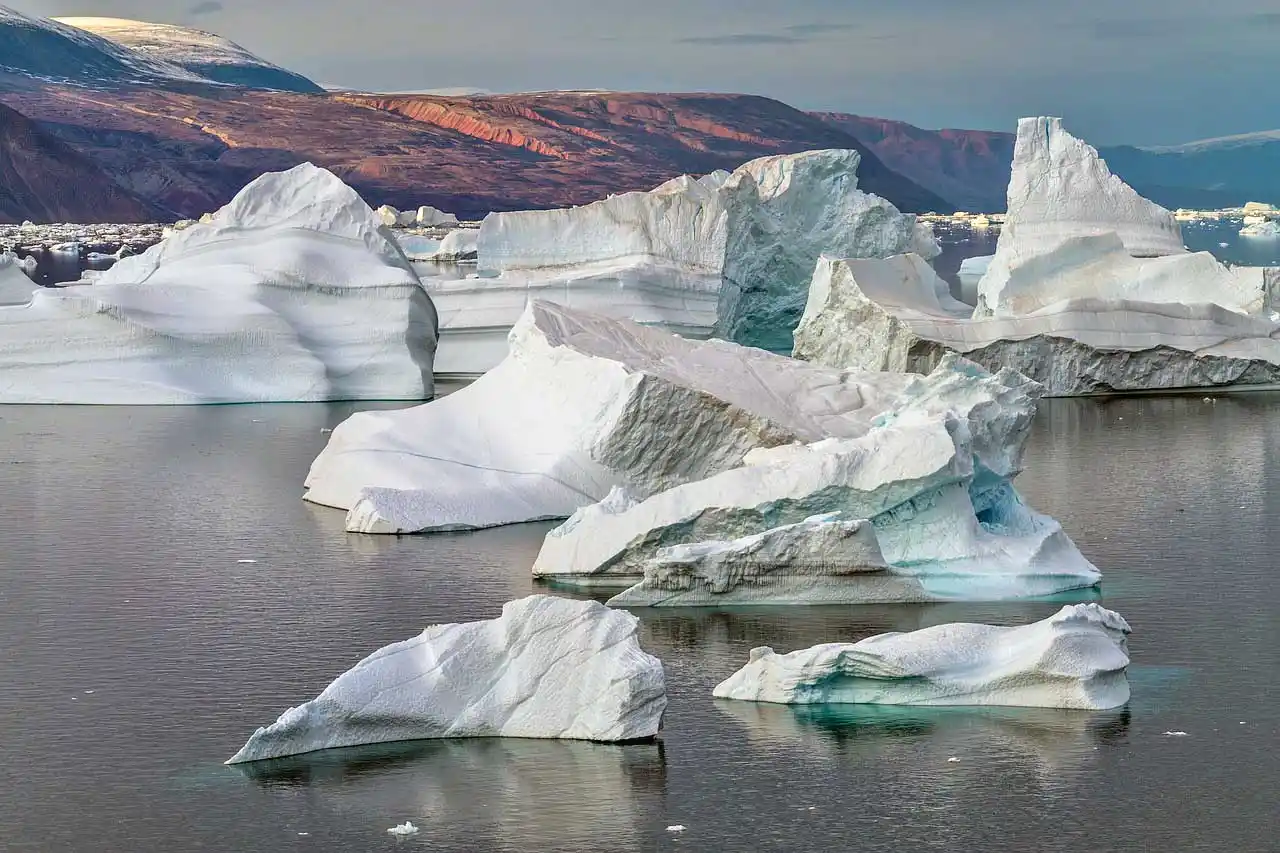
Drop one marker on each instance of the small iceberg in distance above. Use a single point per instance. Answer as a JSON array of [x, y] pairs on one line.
[[1074, 659], [1267, 229]]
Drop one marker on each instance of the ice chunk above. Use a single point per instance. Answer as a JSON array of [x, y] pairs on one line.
[[292, 293], [402, 829], [782, 213], [583, 403], [428, 216], [459, 245], [546, 668], [932, 476], [16, 286], [1074, 659], [1267, 229]]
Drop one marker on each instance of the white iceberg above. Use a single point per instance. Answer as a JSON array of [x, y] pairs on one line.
[[782, 213], [1074, 659], [429, 217], [16, 286], [461, 244], [292, 293], [582, 404], [891, 315], [1267, 229], [971, 272], [546, 668], [932, 475]]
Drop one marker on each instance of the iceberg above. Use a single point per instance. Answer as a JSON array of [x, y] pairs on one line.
[[1090, 291], [931, 477], [782, 213], [582, 404], [429, 217], [890, 315], [293, 292], [1075, 659], [16, 286], [729, 254], [546, 668], [459, 245], [1267, 229]]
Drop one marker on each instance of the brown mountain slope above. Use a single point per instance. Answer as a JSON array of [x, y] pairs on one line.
[[46, 180], [969, 167], [191, 150]]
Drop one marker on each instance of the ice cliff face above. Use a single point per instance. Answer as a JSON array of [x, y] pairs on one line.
[[546, 668], [256, 305], [1074, 659]]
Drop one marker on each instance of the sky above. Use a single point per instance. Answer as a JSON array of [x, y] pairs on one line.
[[1142, 72]]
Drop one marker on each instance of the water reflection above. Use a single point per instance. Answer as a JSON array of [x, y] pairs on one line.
[[525, 794]]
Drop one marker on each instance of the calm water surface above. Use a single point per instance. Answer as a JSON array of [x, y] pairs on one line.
[[139, 654]]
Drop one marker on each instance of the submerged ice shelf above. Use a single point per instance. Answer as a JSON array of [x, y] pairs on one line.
[[1074, 659], [546, 668]]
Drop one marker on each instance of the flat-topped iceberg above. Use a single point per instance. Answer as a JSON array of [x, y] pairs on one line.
[[1090, 290], [293, 292], [582, 404], [931, 477], [1074, 659], [546, 668]]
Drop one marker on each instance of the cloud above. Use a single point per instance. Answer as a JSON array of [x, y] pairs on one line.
[[736, 39], [206, 7], [1172, 28], [818, 29]]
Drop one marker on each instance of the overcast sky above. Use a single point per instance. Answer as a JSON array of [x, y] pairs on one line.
[[1137, 71]]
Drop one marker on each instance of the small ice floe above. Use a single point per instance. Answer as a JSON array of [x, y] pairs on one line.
[[404, 829], [303, 833], [678, 827], [1176, 734], [952, 760], [88, 692], [1223, 245], [246, 561], [325, 429]]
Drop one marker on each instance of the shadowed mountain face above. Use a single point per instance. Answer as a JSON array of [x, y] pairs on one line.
[[45, 180], [190, 150]]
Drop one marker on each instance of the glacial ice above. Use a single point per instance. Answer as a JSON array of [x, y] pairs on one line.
[[16, 286], [1090, 290], [582, 403], [1267, 229], [931, 475], [1075, 659], [461, 244], [292, 293], [730, 253], [546, 668]]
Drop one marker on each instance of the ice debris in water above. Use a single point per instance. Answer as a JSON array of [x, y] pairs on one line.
[[403, 829], [679, 827], [1175, 734]]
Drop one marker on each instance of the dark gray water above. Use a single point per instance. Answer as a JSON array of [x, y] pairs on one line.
[[138, 654]]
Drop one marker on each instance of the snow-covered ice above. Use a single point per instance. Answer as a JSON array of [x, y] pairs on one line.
[[1268, 229], [546, 668], [16, 286], [461, 244], [292, 293], [401, 829], [1074, 659]]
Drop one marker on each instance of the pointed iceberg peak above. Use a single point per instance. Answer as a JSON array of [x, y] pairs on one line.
[[1061, 188]]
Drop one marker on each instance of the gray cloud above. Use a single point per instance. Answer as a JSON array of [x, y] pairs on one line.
[[1173, 28], [818, 29], [735, 39], [207, 7]]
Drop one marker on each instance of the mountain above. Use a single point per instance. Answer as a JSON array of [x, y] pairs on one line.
[[207, 55], [38, 50], [971, 167], [44, 180], [190, 149]]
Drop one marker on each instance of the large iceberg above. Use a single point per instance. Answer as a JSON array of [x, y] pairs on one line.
[[546, 668], [293, 292], [1089, 291], [782, 213], [931, 477], [725, 253], [1074, 659], [581, 405]]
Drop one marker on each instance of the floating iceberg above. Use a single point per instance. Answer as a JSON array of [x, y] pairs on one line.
[[971, 272], [726, 252], [782, 213], [582, 404], [1090, 290], [16, 286], [1074, 659], [292, 293], [1267, 229], [546, 668], [461, 244], [931, 476]]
